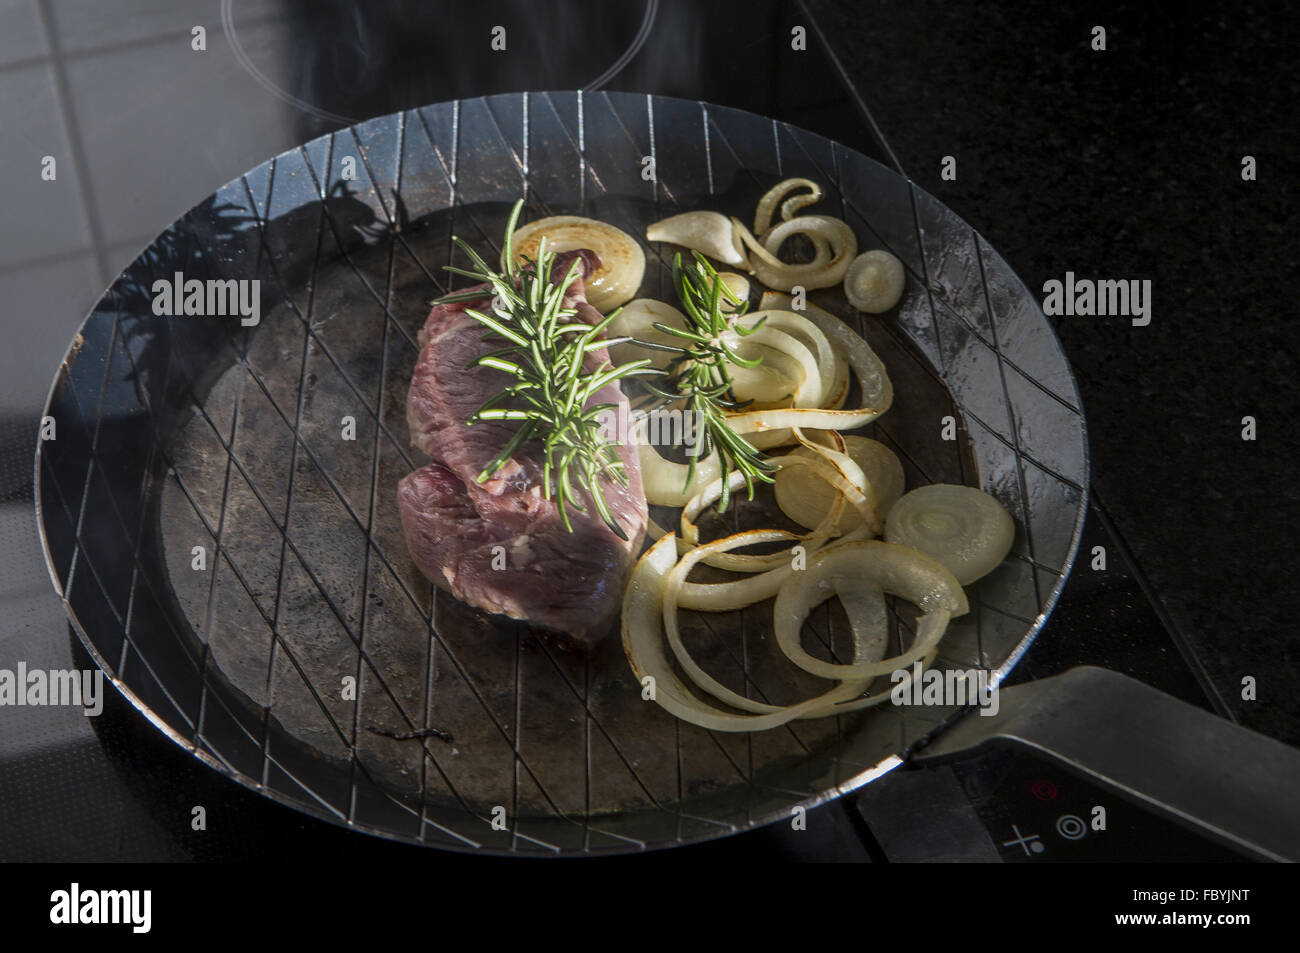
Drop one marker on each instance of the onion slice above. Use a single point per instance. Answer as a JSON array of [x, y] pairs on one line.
[[707, 232], [664, 480], [819, 273], [810, 388], [650, 607], [637, 319], [643, 631], [874, 282], [898, 570], [770, 385], [813, 338], [723, 596], [964, 528], [807, 500], [741, 562], [767, 204], [877, 390], [672, 590], [837, 390], [738, 285], [795, 342], [622, 262]]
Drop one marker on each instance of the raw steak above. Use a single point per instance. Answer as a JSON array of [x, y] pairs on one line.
[[500, 545]]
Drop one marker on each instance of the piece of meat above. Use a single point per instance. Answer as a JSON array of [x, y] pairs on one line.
[[501, 545]]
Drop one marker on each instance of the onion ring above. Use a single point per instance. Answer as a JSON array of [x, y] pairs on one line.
[[775, 273], [767, 204], [898, 570]]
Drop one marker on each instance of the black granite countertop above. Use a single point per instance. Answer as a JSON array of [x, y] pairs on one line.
[[1127, 164]]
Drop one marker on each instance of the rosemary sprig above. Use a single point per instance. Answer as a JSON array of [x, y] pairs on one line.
[[544, 352], [699, 375]]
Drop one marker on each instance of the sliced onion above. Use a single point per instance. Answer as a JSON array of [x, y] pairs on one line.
[[775, 273], [811, 337], [824, 319], [874, 282], [665, 480], [622, 262], [864, 605], [877, 390], [807, 500], [964, 528], [741, 562], [650, 606], [738, 285], [772, 384], [637, 320], [707, 232], [809, 389], [898, 570], [837, 389], [643, 645], [767, 204], [860, 493], [736, 594], [672, 590], [643, 636], [835, 377], [787, 377]]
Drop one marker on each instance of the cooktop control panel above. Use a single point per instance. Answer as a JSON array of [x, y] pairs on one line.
[[1016, 808]]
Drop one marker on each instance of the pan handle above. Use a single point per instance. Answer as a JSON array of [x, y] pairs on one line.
[[1199, 770]]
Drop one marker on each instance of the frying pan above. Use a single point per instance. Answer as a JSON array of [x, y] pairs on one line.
[[218, 514]]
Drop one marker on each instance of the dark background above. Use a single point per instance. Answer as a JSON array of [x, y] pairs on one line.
[[1117, 164], [1127, 164]]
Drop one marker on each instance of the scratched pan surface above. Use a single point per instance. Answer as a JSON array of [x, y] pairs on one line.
[[218, 505]]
